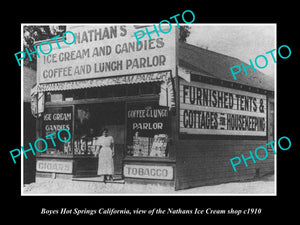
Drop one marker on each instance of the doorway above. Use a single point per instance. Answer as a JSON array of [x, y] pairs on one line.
[[99, 116]]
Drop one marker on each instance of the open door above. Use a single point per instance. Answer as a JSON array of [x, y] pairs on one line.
[[117, 132], [111, 116]]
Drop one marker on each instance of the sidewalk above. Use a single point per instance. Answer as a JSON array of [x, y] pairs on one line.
[[264, 185]]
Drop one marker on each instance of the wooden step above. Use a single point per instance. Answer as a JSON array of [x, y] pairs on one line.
[[117, 180]]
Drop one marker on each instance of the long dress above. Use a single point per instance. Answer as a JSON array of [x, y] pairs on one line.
[[105, 160]]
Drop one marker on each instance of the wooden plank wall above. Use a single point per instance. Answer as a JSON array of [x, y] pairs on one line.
[[205, 162]]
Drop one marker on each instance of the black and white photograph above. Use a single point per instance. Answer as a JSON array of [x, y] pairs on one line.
[[148, 112], [144, 109]]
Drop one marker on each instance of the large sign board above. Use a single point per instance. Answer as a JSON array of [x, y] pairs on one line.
[[215, 110], [106, 51]]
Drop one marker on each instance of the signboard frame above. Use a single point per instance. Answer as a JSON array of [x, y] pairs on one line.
[[142, 168], [184, 132], [162, 46], [63, 164]]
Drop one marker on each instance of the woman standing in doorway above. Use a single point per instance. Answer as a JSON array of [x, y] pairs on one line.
[[106, 152]]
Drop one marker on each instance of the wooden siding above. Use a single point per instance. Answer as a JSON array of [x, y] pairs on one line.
[[204, 162]]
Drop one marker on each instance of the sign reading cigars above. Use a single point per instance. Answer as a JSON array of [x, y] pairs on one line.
[[216, 110], [105, 51], [54, 166]]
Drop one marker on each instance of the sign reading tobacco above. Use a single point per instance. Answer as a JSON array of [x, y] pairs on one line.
[[211, 109], [105, 51], [148, 172]]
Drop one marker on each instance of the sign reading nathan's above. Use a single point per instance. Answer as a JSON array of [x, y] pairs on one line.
[[105, 51], [211, 109]]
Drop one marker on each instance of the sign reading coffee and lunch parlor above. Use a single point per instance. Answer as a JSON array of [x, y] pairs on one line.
[[106, 51]]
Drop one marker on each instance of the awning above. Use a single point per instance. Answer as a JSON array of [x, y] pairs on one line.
[[166, 92], [129, 79]]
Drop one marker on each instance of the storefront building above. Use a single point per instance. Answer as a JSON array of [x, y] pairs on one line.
[[176, 120]]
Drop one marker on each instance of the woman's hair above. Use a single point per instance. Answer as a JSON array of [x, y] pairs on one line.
[[104, 129]]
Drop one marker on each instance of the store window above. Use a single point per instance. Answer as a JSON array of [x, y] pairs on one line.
[[84, 134], [148, 128], [54, 119], [146, 136]]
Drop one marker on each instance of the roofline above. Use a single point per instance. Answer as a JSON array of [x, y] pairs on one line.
[[214, 52]]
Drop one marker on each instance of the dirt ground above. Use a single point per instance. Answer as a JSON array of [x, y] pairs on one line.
[[45, 186]]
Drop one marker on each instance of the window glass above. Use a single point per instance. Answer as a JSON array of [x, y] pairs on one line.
[[84, 134], [54, 119], [147, 130], [91, 119]]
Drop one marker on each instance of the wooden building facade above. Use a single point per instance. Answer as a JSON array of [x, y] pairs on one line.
[[203, 155]]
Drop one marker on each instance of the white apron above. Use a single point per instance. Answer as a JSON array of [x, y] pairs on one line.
[[105, 160]]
